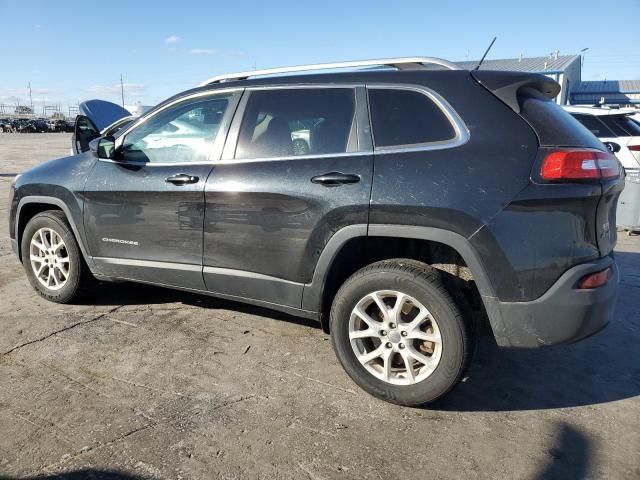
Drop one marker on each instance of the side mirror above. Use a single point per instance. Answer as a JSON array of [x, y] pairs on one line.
[[613, 147], [105, 147]]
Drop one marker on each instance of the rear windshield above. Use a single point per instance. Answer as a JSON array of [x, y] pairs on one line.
[[594, 125], [622, 125], [554, 126]]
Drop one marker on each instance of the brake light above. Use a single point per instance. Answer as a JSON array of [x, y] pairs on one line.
[[582, 164], [634, 148], [595, 280]]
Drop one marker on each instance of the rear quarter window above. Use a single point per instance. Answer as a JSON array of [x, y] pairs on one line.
[[407, 118]]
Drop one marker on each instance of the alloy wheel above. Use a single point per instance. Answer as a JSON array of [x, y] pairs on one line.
[[49, 258], [395, 337]]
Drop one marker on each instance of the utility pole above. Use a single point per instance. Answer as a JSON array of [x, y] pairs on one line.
[[30, 97], [122, 90]]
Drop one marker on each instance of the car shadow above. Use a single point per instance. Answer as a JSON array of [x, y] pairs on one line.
[[601, 369], [85, 474], [129, 293]]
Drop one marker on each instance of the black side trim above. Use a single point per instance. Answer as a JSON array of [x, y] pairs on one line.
[[312, 292], [227, 281], [251, 301], [58, 203]]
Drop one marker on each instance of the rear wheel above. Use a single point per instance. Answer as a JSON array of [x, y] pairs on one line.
[[52, 259], [398, 333]]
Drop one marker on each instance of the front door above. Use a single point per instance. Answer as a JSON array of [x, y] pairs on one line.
[[295, 170], [144, 211]]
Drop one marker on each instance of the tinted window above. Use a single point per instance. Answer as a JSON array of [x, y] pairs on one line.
[[405, 117], [622, 125], [182, 133], [552, 123], [282, 123], [594, 125]]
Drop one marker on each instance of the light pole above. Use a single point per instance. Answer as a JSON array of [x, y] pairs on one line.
[[30, 97], [582, 52], [122, 90]]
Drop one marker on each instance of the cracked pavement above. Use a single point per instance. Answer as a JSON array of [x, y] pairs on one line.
[[143, 382]]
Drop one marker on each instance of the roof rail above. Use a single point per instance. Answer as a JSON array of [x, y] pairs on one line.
[[399, 63]]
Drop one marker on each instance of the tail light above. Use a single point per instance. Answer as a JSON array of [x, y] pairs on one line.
[[595, 280], [579, 164], [634, 148]]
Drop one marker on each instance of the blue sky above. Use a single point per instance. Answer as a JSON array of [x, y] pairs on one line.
[[76, 50]]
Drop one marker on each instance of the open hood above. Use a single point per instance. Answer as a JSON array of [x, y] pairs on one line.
[[102, 113]]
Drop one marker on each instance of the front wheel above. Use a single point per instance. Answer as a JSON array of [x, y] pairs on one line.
[[398, 333], [52, 259]]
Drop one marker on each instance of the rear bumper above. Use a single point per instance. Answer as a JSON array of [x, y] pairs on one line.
[[562, 315]]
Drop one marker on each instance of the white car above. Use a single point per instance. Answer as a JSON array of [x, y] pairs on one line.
[[613, 125]]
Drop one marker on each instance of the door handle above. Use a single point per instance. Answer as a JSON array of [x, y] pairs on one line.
[[182, 179], [333, 179]]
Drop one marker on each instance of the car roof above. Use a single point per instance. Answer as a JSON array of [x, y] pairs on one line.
[[599, 110]]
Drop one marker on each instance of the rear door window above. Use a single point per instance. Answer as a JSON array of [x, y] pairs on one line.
[[403, 118], [297, 121]]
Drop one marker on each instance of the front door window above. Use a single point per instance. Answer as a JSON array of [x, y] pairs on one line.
[[183, 133]]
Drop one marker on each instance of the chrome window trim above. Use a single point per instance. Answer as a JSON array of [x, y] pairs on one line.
[[156, 164], [462, 134], [291, 157], [220, 137]]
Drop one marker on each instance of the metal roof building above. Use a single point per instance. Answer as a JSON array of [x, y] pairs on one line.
[[623, 92], [567, 71]]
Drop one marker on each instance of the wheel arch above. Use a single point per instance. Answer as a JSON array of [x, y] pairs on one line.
[[31, 205], [353, 239]]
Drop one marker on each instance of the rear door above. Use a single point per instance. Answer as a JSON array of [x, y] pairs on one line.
[[143, 213], [297, 168]]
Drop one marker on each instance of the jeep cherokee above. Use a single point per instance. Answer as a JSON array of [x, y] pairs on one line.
[[428, 204]]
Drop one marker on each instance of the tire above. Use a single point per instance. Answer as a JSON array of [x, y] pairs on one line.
[[448, 350], [61, 290]]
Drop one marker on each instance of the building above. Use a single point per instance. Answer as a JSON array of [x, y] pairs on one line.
[[620, 92], [567, 71]]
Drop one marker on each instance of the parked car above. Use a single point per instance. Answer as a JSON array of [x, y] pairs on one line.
[[40, 125], [6, 126], [613, 125], [22, 125], [411, 224]]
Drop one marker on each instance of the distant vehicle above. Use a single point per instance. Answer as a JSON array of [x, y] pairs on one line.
[[40, 125], [6, 126], [22, 125], [613, 125]]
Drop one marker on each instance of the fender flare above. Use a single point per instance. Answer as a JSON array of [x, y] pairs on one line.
[[313, 292], [54, 201]]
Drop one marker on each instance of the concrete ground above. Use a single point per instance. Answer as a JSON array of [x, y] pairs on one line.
[[142, 382]]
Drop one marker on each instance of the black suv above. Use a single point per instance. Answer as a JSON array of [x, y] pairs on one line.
[[429, 202]]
